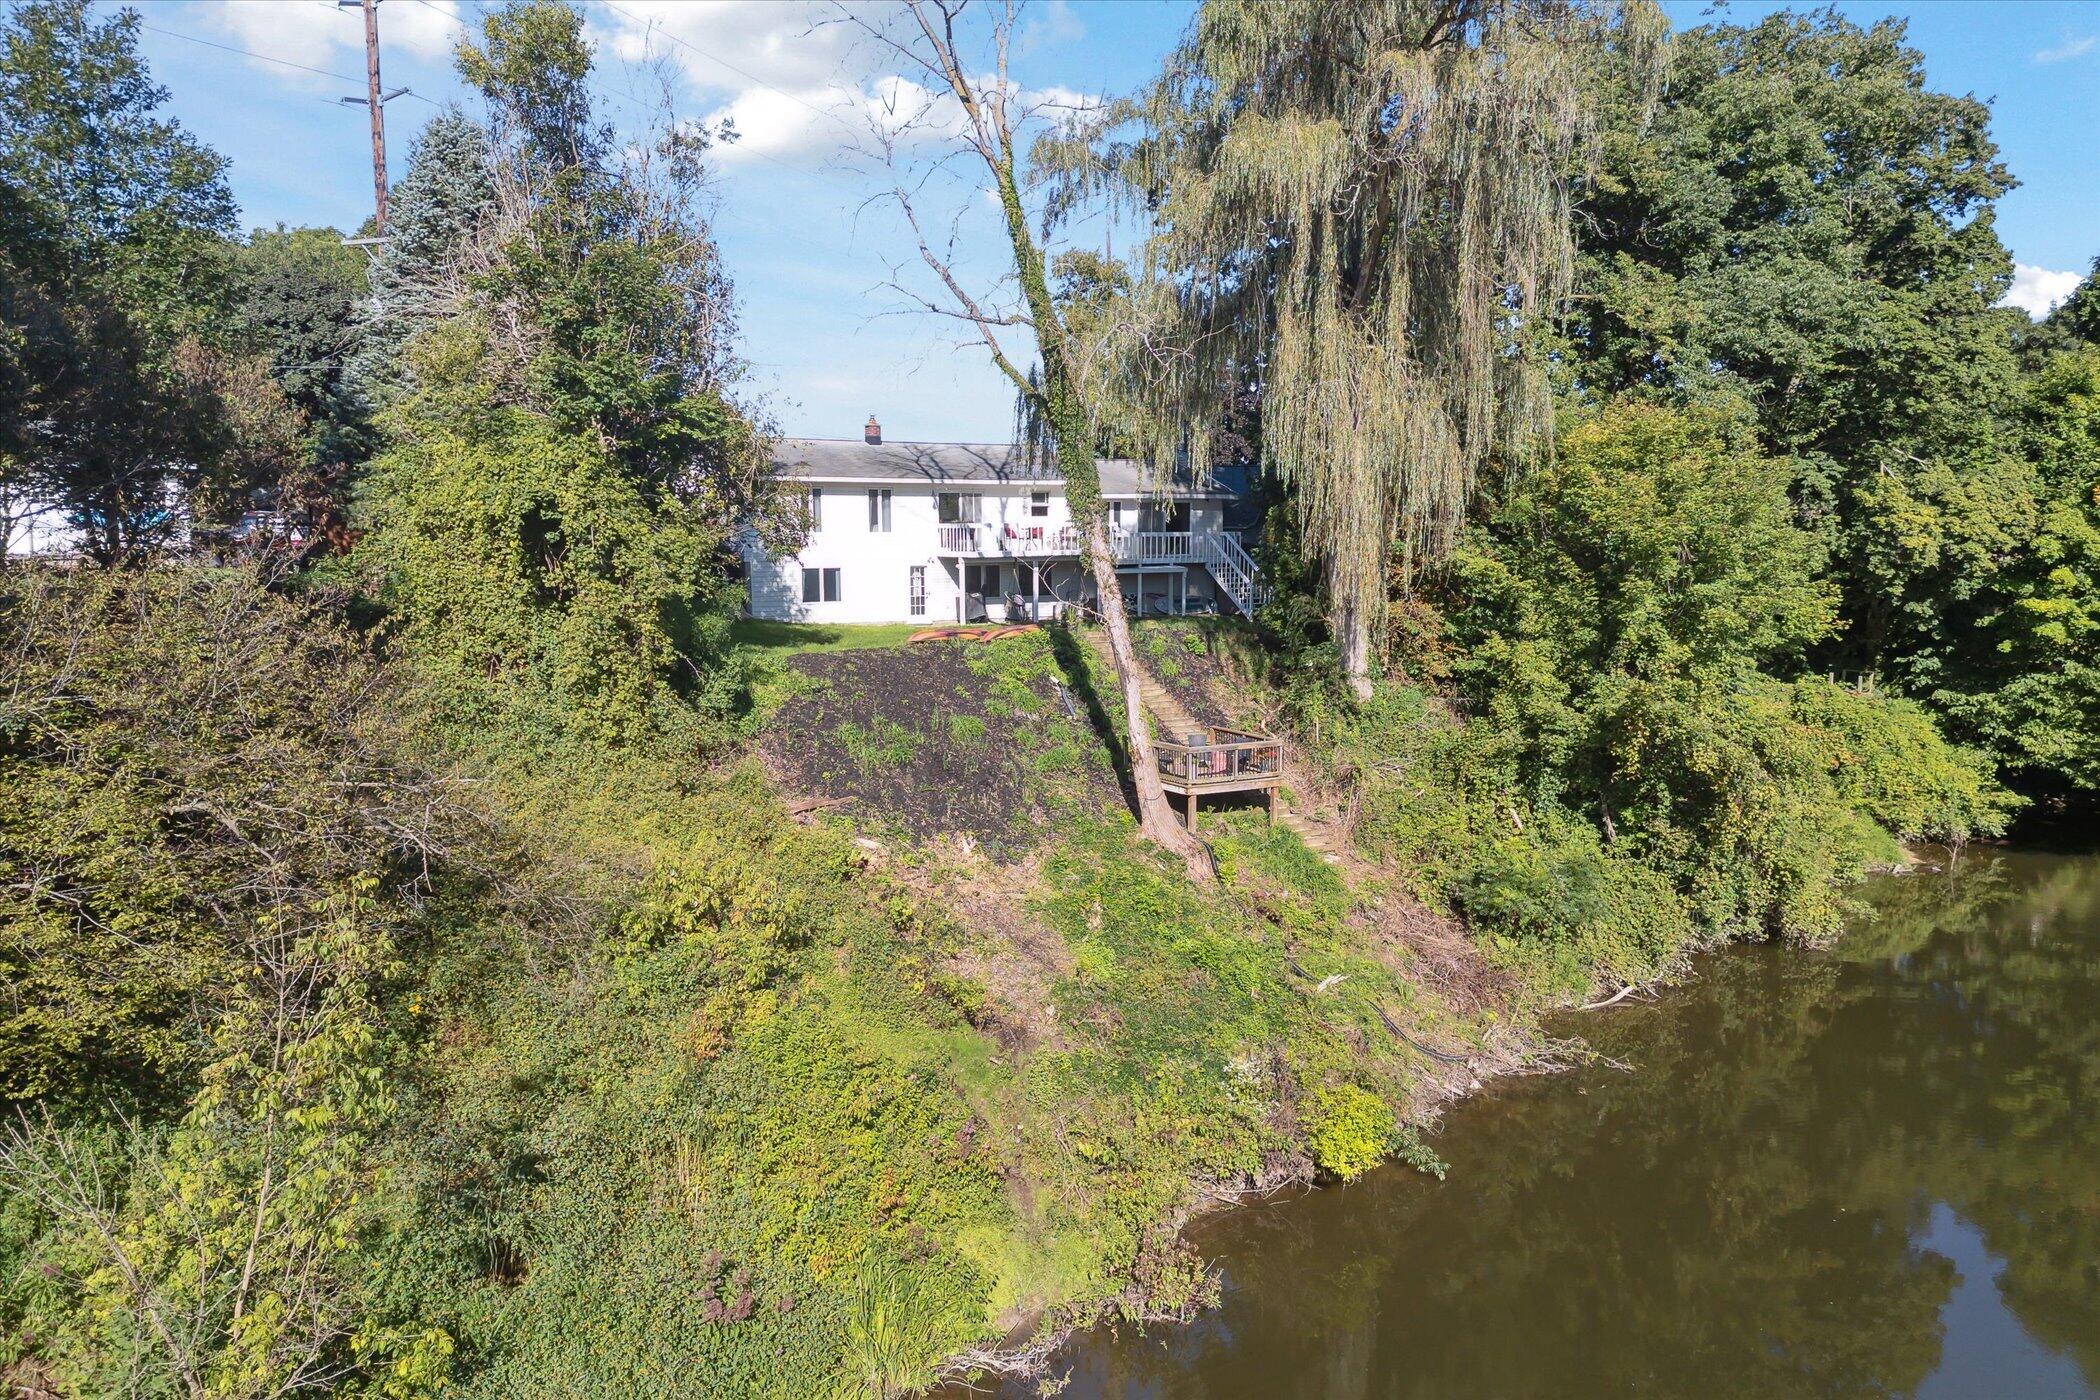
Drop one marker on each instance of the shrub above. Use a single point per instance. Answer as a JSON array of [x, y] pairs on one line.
[[532, 575], [1887, 759], [1348, 1130], [185, 758]]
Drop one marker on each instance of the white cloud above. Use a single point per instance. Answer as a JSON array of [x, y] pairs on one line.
[[2070, 48], [320, 35], [801, 79], [809, 126], [1053, 24], [730, 45], [2037, 290]]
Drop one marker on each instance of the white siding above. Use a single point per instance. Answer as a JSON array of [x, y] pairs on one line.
[[875, 567]]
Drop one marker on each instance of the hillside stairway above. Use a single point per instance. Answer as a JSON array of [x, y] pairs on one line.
[[1171, 719]]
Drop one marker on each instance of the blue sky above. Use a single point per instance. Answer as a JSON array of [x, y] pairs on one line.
[[828, 339]]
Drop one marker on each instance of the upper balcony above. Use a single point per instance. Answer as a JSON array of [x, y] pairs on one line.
[[1064, 542]]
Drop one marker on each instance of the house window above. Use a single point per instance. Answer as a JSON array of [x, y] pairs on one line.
[[820, 585], [1115, 514], [918, 589], [1039, 503], [960, 508], [816, 507], [1164, 516], [981, 578], [878, 512]]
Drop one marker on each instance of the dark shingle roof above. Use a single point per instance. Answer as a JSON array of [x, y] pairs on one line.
[[964, 463]]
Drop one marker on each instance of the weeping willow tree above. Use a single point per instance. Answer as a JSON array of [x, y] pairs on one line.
[[1361, 214]]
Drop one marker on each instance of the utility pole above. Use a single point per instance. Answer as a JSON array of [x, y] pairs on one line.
[[376, 101], [373, 101]]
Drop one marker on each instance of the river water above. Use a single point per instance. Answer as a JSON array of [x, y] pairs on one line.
[[1871, 1171]]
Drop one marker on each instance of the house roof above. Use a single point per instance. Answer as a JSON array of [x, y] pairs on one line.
[[975, 464]]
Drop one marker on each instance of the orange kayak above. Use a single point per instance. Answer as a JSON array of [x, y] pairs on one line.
[[971, 634]]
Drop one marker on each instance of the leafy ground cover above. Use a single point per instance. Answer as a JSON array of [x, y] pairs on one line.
[[817, 1112], [941, 739]]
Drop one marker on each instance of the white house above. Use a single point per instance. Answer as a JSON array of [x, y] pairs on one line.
[[968, 532], [36, 530]]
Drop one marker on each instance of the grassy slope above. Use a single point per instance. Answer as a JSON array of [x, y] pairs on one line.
[[819, 1113]]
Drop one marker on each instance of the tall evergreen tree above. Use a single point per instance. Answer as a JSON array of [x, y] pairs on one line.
[[418, 276]]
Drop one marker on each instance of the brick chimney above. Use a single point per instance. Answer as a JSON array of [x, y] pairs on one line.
[[872, 434]]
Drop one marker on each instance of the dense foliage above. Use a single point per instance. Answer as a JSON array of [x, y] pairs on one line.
[[566, 466], [458, 956], [534, 574], [216, 837], [1804, 225], [1632, 776]]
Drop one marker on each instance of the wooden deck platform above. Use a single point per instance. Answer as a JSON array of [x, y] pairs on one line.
[[1216, 760]]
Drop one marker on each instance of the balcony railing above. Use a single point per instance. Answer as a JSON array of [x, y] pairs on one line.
[[1220, 759], [1042, 541]]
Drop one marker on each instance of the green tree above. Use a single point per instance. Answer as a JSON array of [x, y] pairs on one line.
[[609, 308], [114, 258], [1362, 209], [554, 511], [137, 207], [1806, 224], [1658, 545], [418, 276], [2080, 313], [298, 294], [2027, 679], [1616, 611]]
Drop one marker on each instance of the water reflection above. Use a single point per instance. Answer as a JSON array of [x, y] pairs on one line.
[[1874, 1172]]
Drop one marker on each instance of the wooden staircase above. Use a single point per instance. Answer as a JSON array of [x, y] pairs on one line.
[[1173, 720]]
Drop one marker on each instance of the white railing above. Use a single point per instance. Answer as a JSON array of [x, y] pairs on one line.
[[1220, 551], [1237, 575], [1009, 541], [1164, 546]]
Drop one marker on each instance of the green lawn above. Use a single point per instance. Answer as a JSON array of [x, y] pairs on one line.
[[788, 638]]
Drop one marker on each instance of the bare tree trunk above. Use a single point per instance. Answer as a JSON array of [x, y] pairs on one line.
[[1155, 815]]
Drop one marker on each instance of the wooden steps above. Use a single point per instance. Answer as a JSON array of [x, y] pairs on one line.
[[1172, 720], [1319, 839]]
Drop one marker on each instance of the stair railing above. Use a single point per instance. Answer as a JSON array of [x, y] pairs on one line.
[[1235, 571]]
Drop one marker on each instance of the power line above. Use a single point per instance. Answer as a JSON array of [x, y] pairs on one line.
[[266, 58]]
